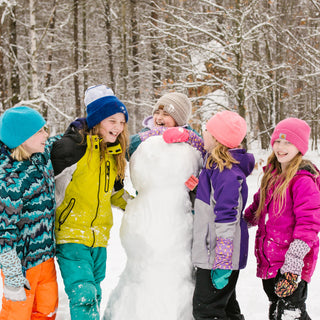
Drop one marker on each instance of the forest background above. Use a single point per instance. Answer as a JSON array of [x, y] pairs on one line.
[[257, 57]]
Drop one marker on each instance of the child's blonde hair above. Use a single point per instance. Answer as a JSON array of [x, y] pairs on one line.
[[220, 157], [120, 158], [275, 177], [20, 153]]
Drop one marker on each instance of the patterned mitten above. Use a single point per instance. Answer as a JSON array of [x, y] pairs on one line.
[[293, 262], [12, 269], [220, 277], [14, 281], [16, 294], [286, 285]]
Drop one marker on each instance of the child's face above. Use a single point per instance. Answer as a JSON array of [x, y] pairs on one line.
[[37, 142], [162, 118], [111, 127], [209, 141], [285, 151]]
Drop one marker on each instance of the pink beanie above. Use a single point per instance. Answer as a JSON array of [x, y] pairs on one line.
[[293, 130], [228, 128]]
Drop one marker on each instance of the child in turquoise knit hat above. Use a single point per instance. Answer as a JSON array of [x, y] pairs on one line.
[[27, 207]]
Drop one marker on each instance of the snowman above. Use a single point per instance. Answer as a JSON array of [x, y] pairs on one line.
[[156, 234]]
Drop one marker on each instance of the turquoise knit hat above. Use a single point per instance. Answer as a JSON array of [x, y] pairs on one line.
[[18, 124]]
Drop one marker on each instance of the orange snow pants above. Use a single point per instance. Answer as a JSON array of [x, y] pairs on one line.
[[42, 299]]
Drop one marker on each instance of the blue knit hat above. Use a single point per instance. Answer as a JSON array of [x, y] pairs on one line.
[[18, 124], [101, 103]]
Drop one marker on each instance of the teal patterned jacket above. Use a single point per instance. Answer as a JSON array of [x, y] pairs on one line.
[[27, 206]]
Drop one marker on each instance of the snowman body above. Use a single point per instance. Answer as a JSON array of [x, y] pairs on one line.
[[156, 233]]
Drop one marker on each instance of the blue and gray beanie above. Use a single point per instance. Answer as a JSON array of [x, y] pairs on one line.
[[101, 103], [18, 124]]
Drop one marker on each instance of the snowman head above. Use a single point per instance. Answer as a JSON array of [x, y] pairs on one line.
[[157, 164]]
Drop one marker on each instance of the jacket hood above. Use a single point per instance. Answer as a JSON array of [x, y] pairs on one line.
[[72, 131], [148, 122], [246, 160], [307, 165]]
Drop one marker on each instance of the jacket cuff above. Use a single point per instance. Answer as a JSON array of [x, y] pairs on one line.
[[223, 254]]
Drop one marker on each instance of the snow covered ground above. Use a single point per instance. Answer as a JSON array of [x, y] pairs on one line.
[[252, 299]]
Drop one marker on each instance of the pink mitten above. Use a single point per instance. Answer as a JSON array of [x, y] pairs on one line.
[[175, 134]]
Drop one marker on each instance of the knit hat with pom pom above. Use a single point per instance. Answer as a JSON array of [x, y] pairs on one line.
[[101, 103]]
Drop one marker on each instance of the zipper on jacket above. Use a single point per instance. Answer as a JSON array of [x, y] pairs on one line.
[[97, 208], [107, 176], [68, 209]]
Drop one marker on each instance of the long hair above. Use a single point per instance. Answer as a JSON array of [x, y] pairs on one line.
[[220, 157], [273, 176], [20, 153], [120, 158]]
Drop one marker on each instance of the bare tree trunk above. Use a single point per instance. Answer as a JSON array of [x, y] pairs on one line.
[[3, 87], [33, 51], [14, 79], [124, 67], [156, 77], [48, 75], [76, 58], [135, 44], [135, 69], [240, 80], [109, 42], [84, 43]]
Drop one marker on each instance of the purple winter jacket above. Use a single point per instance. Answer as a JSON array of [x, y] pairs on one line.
[[220, 201], [300, 219]]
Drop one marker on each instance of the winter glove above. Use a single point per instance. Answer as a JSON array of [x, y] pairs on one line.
[[292, 267], [222, 267], [293, 262], [220, 277], [14, 280], [176, 134], [16, 293], [286, 285]]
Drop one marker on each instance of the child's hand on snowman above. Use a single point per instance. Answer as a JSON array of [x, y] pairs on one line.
[[176, 134]]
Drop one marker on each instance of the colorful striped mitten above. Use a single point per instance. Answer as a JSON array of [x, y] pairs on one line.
[[286, 285]]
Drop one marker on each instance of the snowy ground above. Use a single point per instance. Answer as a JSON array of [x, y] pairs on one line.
[[252, 299]]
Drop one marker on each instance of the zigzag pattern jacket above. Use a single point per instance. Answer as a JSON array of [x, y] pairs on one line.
[[27, 206]]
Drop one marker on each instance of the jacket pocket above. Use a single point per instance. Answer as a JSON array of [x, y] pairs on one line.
[[66, 212]]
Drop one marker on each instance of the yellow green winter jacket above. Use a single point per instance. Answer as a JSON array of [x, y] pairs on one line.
[[84, 195]]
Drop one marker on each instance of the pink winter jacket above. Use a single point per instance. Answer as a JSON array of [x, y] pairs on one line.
[[300, 219]]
